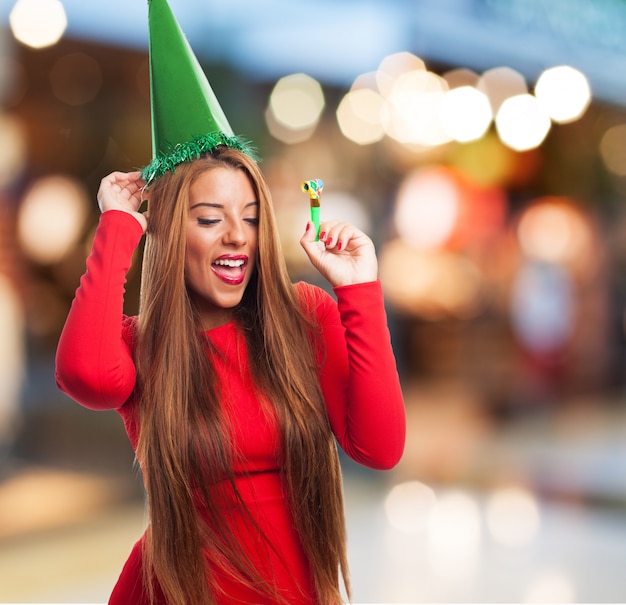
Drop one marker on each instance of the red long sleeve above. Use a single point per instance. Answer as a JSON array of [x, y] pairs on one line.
[[359, 377], [94, 365]]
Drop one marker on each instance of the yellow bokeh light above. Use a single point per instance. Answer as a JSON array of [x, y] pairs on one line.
[[51, 218], [286, 135], [297, 102], [564, 93], [38, 23], [522, 123], [359, 116]]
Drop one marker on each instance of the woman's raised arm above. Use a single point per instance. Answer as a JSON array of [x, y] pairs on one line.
[[94, 363]]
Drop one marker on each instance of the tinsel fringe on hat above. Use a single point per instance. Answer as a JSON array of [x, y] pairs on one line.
[[192, 150]]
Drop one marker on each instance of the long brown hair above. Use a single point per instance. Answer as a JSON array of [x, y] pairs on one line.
[[181, 421]]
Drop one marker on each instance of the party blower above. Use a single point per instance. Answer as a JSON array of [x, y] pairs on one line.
[[314, 189]]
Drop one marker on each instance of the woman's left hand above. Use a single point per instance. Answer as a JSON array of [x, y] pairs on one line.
[[344, 255]]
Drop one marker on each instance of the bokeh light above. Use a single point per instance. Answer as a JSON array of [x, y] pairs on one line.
[[409, 506], [522, 123], [393, 66], [465, 114], [512, 516], [359, 116], [295, 106], [613, 149], [454, 535], [501, 83], [411, 113], [428, 284], [427, 208], [38, 23], [456, 78], [564, 93], [553, 230], [51, 218]]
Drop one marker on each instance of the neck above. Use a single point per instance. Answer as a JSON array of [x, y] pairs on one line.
[[209, 315]]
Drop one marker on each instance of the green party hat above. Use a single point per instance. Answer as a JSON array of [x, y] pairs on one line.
[[187, 119]]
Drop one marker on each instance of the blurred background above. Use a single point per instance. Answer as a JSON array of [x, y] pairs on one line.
[[482, 144]]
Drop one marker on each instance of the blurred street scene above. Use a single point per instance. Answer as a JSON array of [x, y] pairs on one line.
[[482, 144]]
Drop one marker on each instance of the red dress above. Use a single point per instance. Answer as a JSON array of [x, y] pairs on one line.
[[358, 378]]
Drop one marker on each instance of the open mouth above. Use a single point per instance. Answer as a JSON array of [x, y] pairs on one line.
[[230, 270]]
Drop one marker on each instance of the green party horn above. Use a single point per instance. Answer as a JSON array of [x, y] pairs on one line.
[[314, 189]]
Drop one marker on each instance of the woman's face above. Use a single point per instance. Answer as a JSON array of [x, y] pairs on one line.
[[222, 241]]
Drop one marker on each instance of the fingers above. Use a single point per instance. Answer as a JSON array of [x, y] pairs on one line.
[[334, 235], [128, 182], [121, 189], [337, 235], [311, 246]]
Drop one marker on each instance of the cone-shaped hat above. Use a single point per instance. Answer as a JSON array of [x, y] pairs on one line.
[[187, 119]]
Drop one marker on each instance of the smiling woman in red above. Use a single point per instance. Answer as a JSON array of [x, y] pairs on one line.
[[234, 384]]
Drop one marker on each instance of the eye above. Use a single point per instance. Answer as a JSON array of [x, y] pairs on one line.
[[208, 221], [252, 221]]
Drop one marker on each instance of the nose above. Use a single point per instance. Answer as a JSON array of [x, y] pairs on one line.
[[234, 234]]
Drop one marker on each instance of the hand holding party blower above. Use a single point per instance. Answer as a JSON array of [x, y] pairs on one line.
[[314, 189]]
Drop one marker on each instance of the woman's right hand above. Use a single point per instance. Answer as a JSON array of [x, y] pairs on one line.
[[123, 191]]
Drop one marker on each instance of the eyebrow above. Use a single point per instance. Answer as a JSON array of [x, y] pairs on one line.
[[214, 205]]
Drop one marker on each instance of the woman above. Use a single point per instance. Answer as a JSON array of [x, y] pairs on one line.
[[233, 384]]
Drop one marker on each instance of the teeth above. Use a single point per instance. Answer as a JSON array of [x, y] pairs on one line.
[[229, 263]]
